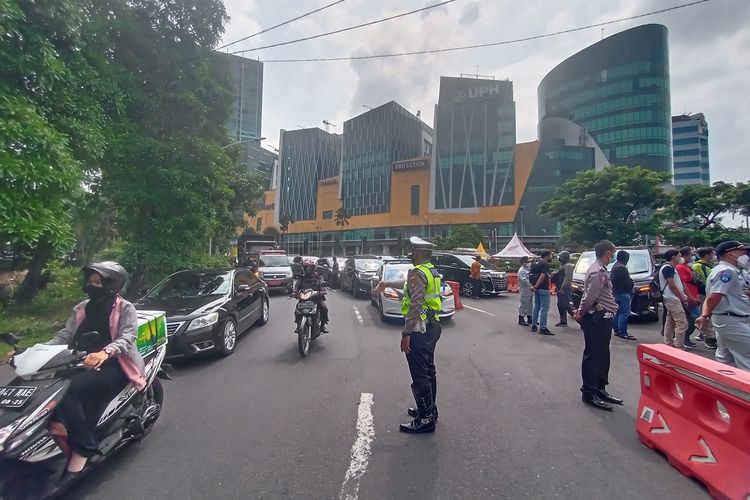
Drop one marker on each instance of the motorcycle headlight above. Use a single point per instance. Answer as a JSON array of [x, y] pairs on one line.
[[203, 321], [259, 274], [305, 295]]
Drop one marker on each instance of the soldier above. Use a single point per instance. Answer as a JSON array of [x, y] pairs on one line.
[[595, 314], [525, 294], [728, 306], [420, 306]]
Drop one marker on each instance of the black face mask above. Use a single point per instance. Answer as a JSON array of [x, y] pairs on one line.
[[95, 293]]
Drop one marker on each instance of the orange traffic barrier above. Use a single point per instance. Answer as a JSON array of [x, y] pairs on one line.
[[697, 412], [513, 286], [455, 286]]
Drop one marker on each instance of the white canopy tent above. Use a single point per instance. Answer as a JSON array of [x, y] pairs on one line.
[[515, 249]]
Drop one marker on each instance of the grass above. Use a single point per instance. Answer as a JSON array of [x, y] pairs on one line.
[[39, 320]]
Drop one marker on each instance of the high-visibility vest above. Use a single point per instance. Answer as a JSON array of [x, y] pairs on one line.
[[431, 295]]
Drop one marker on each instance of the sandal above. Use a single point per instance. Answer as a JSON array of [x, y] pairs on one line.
[[627, 337]]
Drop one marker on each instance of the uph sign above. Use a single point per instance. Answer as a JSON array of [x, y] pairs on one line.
[[411, 164]]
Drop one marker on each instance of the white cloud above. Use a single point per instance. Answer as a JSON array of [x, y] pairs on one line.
[[708, 47]]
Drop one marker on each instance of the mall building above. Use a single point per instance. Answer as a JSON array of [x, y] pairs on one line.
[[397, 176]]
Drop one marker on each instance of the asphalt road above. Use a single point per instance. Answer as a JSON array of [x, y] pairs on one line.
[[265, 423]]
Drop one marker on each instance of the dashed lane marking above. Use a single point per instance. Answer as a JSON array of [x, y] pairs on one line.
[[360, 454], [358, 315], [478, 310]]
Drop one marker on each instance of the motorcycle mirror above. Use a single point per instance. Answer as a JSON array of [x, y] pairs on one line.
[[9, 338]]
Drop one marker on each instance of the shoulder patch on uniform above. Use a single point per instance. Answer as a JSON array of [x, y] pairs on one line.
[[726, 276]]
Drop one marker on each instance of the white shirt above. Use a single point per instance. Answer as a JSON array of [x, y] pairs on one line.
[[668, 294]]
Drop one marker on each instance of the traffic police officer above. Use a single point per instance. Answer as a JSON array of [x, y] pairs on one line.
[[420, 307], [595, 314], [727, 306]]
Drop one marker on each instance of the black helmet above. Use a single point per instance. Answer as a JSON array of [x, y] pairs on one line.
[[113, 274], [564, 256]]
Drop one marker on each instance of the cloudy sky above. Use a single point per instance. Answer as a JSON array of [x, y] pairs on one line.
[[709, 47]]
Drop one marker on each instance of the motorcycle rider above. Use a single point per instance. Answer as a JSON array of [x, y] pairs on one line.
[[112, 360], [312, 280]]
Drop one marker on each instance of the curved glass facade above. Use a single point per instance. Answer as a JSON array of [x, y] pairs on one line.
[[618, 91]]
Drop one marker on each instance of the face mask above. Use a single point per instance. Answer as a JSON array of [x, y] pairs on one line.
[[714, 259], [743, 261], [95, 293], [681, 260]]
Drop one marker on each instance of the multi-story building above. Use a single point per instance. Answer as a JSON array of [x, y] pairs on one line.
[[690, 150], [372, 142], [618, 91], [307, 156], [475, 134]]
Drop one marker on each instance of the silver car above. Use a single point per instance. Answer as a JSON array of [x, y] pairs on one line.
[[389, 301]]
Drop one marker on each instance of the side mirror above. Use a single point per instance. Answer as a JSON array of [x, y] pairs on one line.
[[9, 338], [86, 340], [375, 279], [242, 288]]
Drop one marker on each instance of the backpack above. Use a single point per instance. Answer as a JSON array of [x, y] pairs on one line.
[[699, 278], [655, 290], [558, 277]]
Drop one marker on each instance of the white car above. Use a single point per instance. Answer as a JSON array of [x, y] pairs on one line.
[[389, 301]]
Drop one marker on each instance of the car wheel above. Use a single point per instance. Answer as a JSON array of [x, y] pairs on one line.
[[264, 314], [467, 289], [228, 339]]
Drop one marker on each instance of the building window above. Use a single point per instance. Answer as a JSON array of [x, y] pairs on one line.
[[258, 224], [328, 214], [415, 199]]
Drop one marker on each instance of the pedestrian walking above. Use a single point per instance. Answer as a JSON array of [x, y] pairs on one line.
[[476, 277], [539, 278], [420, 307], [692, 311], [727, 305], [525, 294], [622, 288], [701, 269], [564, 284], [675, 301], [595, 315]]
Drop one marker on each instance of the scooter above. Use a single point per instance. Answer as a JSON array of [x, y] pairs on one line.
[[307, 314], [32, 455]]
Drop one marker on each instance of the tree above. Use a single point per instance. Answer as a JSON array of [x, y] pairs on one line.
[[615, 203], [701, 206], [342, 217], [53, 126], [463, 236], [284, 222], [271, 231]]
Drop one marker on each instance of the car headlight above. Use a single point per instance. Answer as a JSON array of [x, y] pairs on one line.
[[288, 274], [259, 274], [392, 294], [203, 321]]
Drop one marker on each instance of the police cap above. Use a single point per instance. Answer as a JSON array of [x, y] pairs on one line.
[[728, 246], [418, 243]]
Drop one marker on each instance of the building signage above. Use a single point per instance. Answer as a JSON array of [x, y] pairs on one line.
[[478, 92], [411, 164]]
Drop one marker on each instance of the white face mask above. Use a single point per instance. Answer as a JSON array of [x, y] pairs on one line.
[[680, 260], [743, 261]]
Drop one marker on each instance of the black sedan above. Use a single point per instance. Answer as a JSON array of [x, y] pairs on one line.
[[207, 309]]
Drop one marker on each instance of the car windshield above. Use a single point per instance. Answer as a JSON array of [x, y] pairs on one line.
[[469, 260], [396, 273], [638, 263], [273, 261], [367, 264], [191, 285]]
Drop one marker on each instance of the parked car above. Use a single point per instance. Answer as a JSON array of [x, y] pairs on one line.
[[356, 273], [208, 309], [457, 267], [641, 266], [273, 267], [389, 301]]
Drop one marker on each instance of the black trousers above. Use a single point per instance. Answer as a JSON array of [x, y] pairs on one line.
[[421, 358], [476, 290], [563, 304], [88, 396], [597, 333]]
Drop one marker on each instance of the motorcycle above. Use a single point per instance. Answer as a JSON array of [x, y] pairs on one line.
[[308, 318], [32, 455]]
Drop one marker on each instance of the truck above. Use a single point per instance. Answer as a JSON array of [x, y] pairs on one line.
[[249, 246]]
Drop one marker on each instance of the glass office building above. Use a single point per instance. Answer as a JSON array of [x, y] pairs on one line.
[[475, 135], [305, 157], [372, 142], [690, 150], [618, 91]]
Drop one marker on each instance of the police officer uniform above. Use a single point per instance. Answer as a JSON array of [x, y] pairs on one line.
[[598, 308], [420, 307], [731, 316]]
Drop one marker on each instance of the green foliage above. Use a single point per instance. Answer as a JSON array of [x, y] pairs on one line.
[[610, 204], [38, 321], [342, 217], [462, 236]]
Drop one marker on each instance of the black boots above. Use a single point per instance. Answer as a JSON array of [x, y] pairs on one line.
[[425, 420], [522, 321]]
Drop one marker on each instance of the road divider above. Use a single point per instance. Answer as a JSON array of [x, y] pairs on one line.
[[696, 411], [456, 289]]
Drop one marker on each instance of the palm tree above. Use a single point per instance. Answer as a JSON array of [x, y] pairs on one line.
[[342, 218]]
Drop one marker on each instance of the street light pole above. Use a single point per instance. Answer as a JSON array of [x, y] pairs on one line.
[[522, 209]]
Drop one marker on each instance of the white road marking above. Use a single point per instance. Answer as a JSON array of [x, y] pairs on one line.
[[358, 315], [478, 310], [360, 454]]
